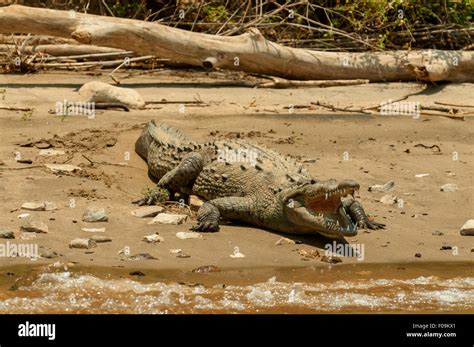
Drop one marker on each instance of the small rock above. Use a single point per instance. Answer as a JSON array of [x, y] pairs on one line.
[[468, 228], [312, 254], [388, 199], [93, 230], [153, 238], [444, 248], [418, 255], [182, 255], [34, 225], [7, 234], [331, 260], [101, 238], [23, 215], [42, 145], [61, 168], [82, 243], [50, 206], [422, 175], [206, 269], [382, 187], [97, 91], [51, 152], [175, 251], [449, 188], [95, 214], [285, 240], [33, 206], [49, 254], [167, 218], [195, 202], [147, 211], [39, 206], [136, 273], [437, 233], [183, 235], [142, 256]]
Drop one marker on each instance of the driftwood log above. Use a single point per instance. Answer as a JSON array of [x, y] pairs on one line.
[[249, 52]]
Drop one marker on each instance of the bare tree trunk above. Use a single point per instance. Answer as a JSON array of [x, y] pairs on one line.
[[249, 52]]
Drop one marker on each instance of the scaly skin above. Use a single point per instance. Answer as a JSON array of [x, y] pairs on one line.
[[247, 182]]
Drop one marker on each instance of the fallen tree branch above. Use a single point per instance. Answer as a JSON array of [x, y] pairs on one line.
[[14, 108], [249, 52], [283, 83]]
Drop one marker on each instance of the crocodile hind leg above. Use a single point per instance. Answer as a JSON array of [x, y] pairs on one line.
[[236, 208], [357, 213], [179, 179]]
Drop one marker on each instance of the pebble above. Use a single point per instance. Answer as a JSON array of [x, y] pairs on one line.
[[42, 145], [34, 225], [285, 240], [422, 175], [182, 255], [331, 260], [444, 248], [23, 215], [449, 188], [39, 206], [147, 211], [95, 214], [206, 269], [7, 234], [93, 230], [96, 91], [184, 235], [418, 255], [175, 251], [167, 218], [50, 152], [468, 228], [437, 233], [101, 238], [312, 254], [382, 187], [49, 254], [58, 168], [388, 199], [142, 256], [154, 238], [82, 243]]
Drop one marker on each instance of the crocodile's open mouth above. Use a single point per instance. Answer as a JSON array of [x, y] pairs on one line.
[[331, 213], [320, 207]]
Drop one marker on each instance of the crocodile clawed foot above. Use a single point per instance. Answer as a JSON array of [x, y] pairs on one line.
[[371, 225], [206, 227]]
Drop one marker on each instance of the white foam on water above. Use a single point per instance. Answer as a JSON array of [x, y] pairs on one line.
[[67, 292]]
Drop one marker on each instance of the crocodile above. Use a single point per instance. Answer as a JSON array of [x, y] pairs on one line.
[[247, 182]]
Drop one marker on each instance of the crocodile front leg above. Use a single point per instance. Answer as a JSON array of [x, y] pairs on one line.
[[179, 179], [357, 213], [232, 208]]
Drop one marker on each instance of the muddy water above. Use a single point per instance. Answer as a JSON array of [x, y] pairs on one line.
[[345, 289]]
